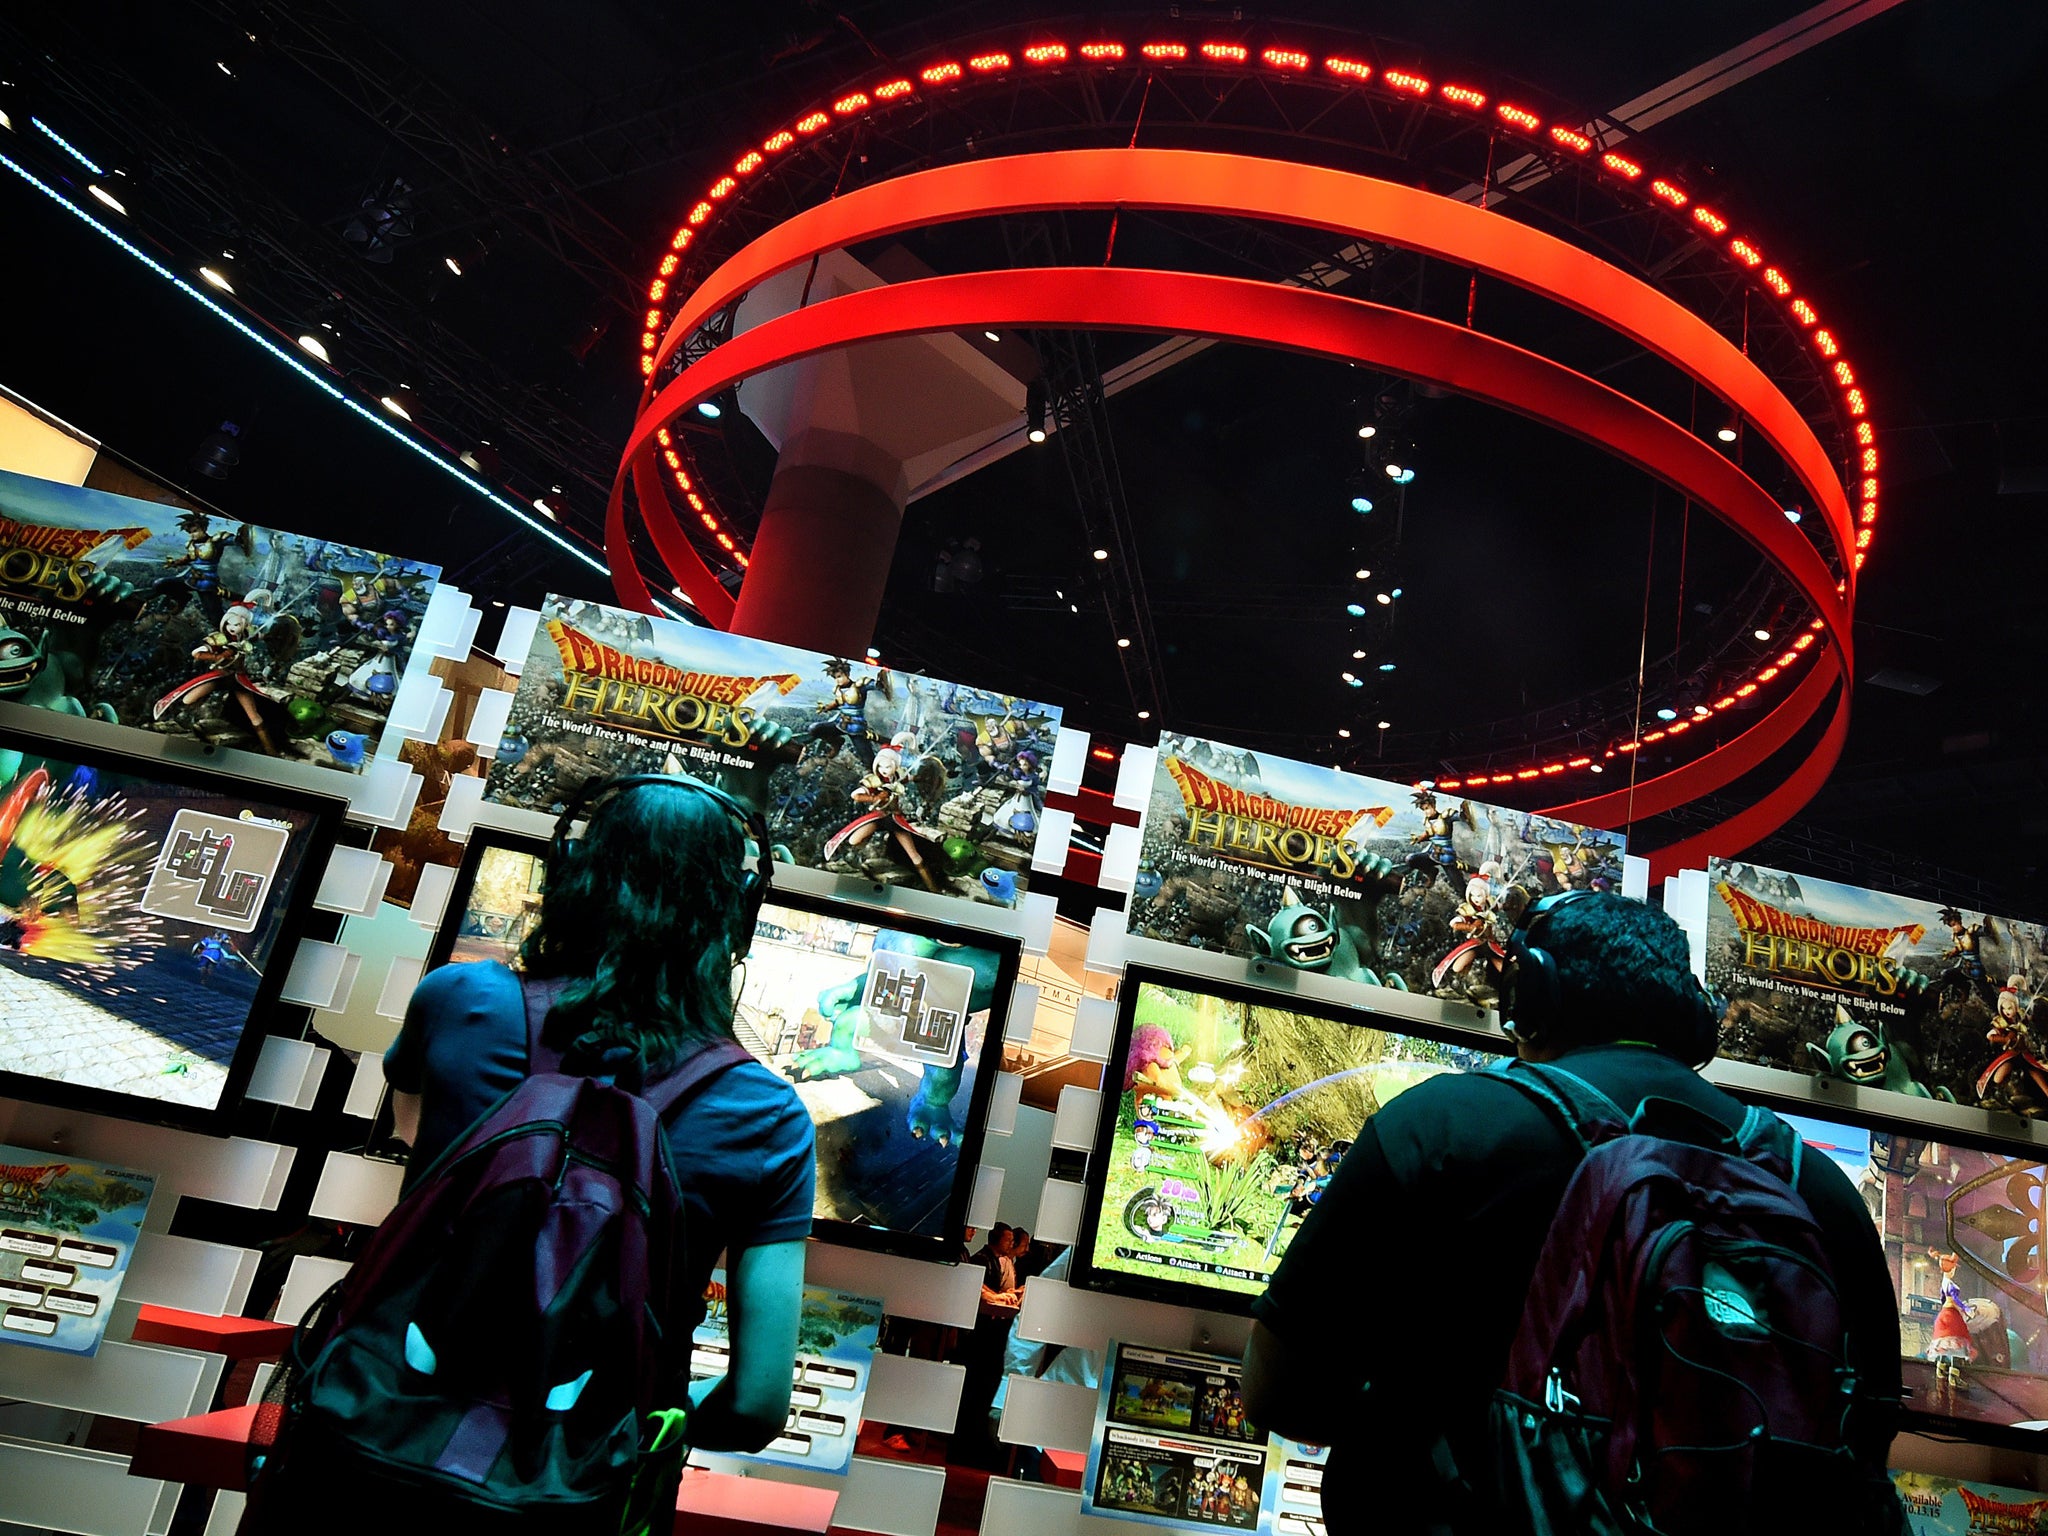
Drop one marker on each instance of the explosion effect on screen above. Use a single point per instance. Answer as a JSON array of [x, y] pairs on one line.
[[72, 867]]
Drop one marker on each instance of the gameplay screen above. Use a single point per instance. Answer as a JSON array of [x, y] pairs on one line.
[[139, 918], [881, 1030], [1962, 1236], [1232, 1118]]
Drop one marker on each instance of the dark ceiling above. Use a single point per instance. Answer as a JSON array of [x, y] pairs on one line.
[[1889, 164]]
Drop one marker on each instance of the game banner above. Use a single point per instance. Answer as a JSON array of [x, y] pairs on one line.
[[67, 1230], [1943, 1506], [1915, 997], [835, 1346], [1357, 879], [186, 624], [859, 768]]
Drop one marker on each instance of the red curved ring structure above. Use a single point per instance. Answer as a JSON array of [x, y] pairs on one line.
[[1305, 196], [1309, 321]]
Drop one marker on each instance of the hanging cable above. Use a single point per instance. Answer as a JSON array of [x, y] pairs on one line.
[[1642, 668]]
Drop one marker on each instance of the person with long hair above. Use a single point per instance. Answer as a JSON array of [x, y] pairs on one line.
[[642, 922]]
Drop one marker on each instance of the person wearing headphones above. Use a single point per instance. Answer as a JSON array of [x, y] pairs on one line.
[[1387, 1327], [643, 920]]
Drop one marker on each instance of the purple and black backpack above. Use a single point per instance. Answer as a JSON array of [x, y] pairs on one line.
[[500, 1346], [1681, 1367]]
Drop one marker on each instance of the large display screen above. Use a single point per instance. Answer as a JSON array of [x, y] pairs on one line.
[[890, 1029], [147, 915], [1962, 1232], [1233, 1110]]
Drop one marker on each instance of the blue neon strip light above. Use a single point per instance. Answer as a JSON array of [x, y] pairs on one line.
[[307, 372], [67, 146]]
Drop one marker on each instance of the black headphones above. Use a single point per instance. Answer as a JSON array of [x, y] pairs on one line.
[[754, 884], [1532, 998]]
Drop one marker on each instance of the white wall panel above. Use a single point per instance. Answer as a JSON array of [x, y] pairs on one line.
[[1004, 1096], [303, 1284], [365, 1086], [354, 881], [317, 972], [1094, 1028], [192, 1276], [356, 1189], [230, 1169], [914, 1394], [894, 1498], [384, 793], [1057, 1313], [63, 1488], [1039, 1509], [1058, 1415], [987, 1197], [1023, 1012], [937, 1293], [281, 1067], [1074, 1122], [126, 1381], [1059, 1211]]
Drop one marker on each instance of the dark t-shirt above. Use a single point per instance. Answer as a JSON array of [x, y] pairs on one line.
[[741, 1146], [1411, 1270]]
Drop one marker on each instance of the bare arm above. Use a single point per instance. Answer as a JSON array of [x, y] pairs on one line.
[[747, 1407], [405, 1116]]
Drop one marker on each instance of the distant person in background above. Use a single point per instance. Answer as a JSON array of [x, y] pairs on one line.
[[983, 1354], [1043, 1362]]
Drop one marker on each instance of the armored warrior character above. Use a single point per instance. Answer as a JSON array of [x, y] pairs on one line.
[[882, 791], [201, 562], [2017, 1051], [1437, 855], [846, 711], [1018, 815], [226, 655], [1483, 923], [214, 948], [1965, 951]]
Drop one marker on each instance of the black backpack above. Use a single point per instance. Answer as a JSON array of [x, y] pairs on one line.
[[496, 1358]]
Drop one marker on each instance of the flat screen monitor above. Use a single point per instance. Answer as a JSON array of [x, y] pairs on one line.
[[1962, 1233], [1229, 1110], [148, 913], [889, 1027]]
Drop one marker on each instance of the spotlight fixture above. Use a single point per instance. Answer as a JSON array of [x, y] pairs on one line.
[[1395, 593], [218, 452], [6, 122], [1101, 554], [453, 264], [1383, 599], [1144, 714], [1763, 635], [1395, 472], [1667, 713], [1356, 610], [224, 67], [1123, 643], [992, 336], [1035, 410], [399, 402], [709, 410], [1350, 677], [1386, 666], [1597, 767], [1356, 682], [540, 505], [1700, 711], [873, 654], [1358, 655], [107, 197], [1368, 431], [1344, 731], [1361, 574], [214, 277], [311, 344], [1073, 607], [1386, 725], [1401, 476], [1793, 514], [1726, 434], [1360, 505]]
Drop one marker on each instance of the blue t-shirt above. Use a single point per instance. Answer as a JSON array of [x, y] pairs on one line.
[[742, 1145]]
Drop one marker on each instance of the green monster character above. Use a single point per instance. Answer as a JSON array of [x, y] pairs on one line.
[[931, 1110], [41, 675], [1860, 1054], [1308, 939]]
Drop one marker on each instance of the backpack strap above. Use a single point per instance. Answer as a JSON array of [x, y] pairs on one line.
[[697, 1069], [540, 998], [1771, 1144], [1588, 1116]]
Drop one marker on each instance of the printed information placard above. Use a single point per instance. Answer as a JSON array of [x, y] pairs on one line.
[[1914, 997], [835, 1347], [185, 624], [1361, 880], [67, 1229], [859, 768], [1172, 1448]]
